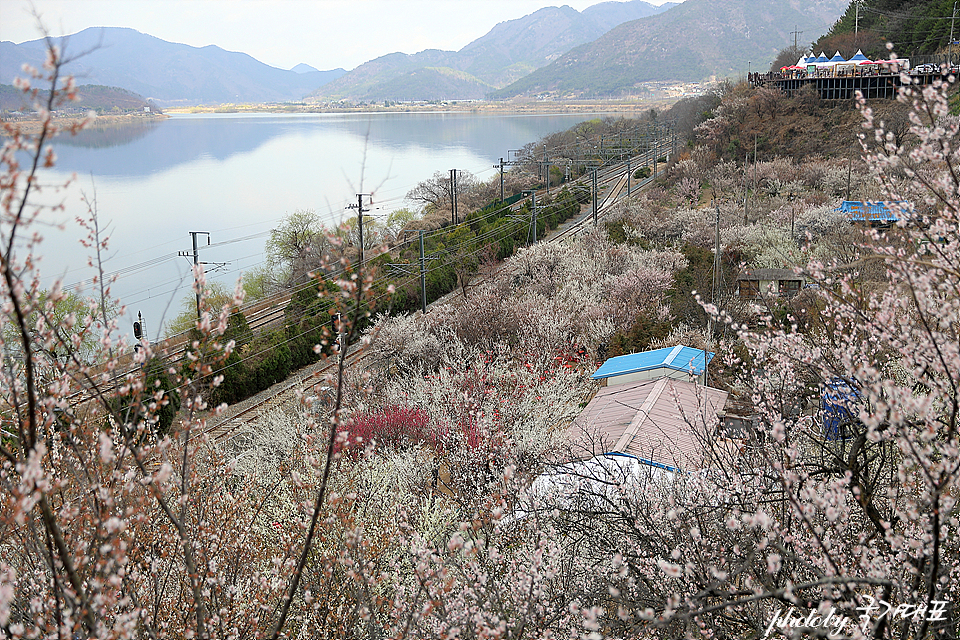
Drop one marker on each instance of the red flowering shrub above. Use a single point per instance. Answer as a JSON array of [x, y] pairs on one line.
[[396, 427]]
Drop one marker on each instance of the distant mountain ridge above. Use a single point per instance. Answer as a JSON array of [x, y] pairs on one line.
[[609, 49], [303, 68], [691, 42], [509, 51], [103, 100], [166, 72]]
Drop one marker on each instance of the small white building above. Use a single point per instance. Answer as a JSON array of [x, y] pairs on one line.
[[757, 283]]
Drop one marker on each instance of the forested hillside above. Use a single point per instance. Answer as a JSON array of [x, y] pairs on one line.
[[103, 100], [914, 28]]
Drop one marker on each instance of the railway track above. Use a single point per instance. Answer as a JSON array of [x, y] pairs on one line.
[[612, 180], [309, 384]]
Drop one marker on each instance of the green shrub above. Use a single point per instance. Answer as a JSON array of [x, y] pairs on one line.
[[132, 409]]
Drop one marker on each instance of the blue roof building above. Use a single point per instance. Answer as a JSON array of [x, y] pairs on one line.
[[872, 212], [679, 363]]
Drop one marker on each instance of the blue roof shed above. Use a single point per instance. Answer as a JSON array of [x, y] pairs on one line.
[[674, 362], [873, 212]]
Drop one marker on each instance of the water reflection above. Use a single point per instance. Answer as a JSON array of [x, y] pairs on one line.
[[105, 136], [144, 148], [239, 175]]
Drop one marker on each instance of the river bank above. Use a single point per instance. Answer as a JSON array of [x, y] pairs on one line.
[[530, 107], [30, 124]]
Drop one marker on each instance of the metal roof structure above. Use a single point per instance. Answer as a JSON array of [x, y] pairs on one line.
[[678, 358], [659, 422], [878, 212]]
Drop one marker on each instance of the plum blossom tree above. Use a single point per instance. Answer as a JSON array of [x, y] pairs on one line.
[[109, 529], [846, 495]]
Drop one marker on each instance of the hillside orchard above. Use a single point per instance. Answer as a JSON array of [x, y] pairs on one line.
[[426, 494]]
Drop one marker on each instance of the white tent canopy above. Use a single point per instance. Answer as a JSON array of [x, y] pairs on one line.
[[859, 58]]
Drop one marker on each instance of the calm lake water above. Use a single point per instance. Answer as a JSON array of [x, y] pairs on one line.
[[236, 176]]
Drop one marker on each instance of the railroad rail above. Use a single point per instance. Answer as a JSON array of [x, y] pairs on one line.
[[612, 179]]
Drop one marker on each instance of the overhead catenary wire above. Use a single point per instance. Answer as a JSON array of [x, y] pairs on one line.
[[138, 267], [445, 252], [507, 228]]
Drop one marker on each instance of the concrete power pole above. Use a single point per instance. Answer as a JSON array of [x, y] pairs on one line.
[[501, 180], [533, 213], [796, 35], [196, 259], [454, 217], [360, 212], [953, 17], [595, 196], [423, 277]]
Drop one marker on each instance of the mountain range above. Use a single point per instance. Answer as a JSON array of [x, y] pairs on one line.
[[693, 42], [608, 49], [165, 72], [508, 52]]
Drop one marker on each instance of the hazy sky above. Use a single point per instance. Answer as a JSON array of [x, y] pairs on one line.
[[325, 34]]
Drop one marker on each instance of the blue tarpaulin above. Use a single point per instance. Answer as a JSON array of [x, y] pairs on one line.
[[840, 407]]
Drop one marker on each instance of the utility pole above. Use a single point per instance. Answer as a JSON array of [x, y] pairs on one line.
[[953, 17], [409, 269], [714, 290], [453, 196], [594, 196], [360, 212], [501, 179], [423, 274], [753, 183], [533, 214], [746, 185], [629, 175], [796, 35], [196, 260], [716, 259]]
